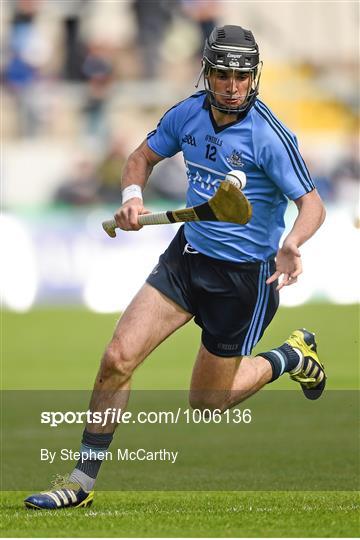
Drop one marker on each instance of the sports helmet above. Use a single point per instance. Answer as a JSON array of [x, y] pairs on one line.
[[231, 48]]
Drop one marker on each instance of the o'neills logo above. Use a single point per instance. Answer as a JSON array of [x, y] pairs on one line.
[[231, 55]]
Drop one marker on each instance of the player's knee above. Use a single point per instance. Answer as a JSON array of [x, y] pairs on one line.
[[206, 400], [117, 361]]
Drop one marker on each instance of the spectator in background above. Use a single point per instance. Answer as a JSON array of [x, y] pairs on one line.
[[321, 178], [204, 13], [168, 180], [71, 12], [109, 171], [346, 179], [153, 17], [98, 70], [28, 51], [347, 170], [80, 186]]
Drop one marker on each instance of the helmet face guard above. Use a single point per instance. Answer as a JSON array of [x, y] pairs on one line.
[[231, 50]]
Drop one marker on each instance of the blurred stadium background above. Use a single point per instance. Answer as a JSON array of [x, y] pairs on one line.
[[84, 81]]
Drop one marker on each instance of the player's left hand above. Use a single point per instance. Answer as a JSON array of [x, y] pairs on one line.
[[288, 265]]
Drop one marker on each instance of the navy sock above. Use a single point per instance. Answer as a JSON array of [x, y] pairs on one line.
[[87, 468], [282, 359]]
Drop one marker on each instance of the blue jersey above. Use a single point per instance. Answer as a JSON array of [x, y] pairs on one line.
[[258, 144]]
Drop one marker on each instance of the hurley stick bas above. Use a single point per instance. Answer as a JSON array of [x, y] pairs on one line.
[[228, 204]]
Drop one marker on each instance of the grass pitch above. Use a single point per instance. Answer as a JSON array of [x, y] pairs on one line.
[[174, 514], [60, 349]]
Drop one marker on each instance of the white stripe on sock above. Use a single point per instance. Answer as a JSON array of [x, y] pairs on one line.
[[280, 356]]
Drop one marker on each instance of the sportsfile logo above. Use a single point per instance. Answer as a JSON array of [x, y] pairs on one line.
[[56, 418]]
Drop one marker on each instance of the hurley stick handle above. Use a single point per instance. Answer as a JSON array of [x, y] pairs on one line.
[[109, 227], [159, 218]]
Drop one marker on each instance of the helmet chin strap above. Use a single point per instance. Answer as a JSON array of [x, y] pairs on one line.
[[200, 75]]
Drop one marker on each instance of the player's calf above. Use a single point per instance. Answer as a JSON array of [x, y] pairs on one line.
[[209, 400]]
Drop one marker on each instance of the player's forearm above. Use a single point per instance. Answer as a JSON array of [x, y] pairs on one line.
[[137, 170], [310, 218]]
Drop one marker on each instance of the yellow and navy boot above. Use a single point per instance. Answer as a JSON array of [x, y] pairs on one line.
[[310, 372], [63, 494]]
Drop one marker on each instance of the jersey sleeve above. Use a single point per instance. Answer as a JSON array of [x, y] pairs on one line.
[[165, 139], [278, 155]]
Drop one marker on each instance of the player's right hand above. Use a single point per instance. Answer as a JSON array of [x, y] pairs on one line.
[[126, 216]]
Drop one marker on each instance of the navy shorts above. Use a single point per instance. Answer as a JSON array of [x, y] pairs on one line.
[[230, 301]]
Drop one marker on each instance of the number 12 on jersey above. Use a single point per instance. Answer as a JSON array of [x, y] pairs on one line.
[[210, 152]]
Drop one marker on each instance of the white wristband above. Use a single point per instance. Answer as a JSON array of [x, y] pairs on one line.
[[131, 191]]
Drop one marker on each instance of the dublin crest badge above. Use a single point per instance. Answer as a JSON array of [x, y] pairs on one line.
[[235, 159]]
